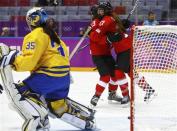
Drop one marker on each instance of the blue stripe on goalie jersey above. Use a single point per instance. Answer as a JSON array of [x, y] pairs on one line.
[[57, 69], [52, 43], [56, 72], [60, 48], [60, 67]]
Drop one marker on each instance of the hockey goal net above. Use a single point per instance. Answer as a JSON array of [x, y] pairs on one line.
[[154, 55]]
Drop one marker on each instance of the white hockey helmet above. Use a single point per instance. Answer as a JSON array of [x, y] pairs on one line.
[[36, 17]]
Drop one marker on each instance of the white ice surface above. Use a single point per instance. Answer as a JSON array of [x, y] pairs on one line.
[[108, 117], [158, 115], [161, 113]]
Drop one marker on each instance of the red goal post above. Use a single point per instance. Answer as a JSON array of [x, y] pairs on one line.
[[154, 56]]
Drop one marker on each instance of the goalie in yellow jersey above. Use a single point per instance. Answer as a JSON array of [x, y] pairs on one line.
[[46, 57]]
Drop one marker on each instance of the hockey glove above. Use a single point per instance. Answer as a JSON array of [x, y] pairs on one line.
[[114, 37], [126, 23], [8, 59], [1, 89]]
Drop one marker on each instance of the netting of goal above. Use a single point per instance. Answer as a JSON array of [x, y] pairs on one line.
[[155, 58]]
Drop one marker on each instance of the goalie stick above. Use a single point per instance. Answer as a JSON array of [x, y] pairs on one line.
[[89, 109], [79, 43]]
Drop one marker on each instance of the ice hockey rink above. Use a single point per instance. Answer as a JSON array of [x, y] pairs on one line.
[[158, 115], [109, 117]]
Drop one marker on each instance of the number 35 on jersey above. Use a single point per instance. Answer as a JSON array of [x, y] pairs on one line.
[[30, 46]]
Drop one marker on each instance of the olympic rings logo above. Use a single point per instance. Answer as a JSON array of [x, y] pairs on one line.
[[67, 28]]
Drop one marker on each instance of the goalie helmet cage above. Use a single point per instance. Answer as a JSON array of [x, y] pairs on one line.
[[154, 56]]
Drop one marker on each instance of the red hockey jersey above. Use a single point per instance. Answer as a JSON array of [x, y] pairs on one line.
[[97, 46], [106, 25], [109, 25], [124, 44]]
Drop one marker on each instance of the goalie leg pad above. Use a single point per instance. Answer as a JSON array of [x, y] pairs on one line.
[[77, 122], [73, 113], [27, 106], [31, 124], [73, 120], [32, 110]]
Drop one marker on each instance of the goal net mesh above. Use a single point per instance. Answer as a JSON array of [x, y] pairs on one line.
[[155, 60]]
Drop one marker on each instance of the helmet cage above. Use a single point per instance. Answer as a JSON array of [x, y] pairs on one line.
[[36, 17]]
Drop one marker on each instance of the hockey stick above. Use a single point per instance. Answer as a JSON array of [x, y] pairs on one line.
[[83, 47], [91, 111], [134, 8], [79, 43]]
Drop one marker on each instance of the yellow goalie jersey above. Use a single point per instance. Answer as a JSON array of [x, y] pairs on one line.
[[41, 55]]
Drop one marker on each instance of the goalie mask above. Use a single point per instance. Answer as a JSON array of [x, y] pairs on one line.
[[36, 17]]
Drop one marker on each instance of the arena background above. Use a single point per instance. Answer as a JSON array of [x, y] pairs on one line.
[[72, 16]]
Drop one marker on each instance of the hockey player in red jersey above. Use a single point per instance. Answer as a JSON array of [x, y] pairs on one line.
[[102, 58]]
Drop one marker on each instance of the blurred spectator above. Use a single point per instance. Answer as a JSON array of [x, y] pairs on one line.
[[173, 4], [81, 32], [151, 19], [42, 3], [53, 2], [6, 32], [48, 2]]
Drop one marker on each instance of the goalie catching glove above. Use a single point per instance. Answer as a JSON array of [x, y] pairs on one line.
[[8, 59]]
